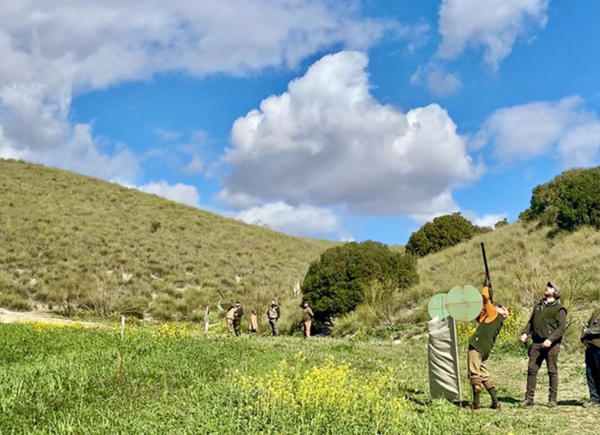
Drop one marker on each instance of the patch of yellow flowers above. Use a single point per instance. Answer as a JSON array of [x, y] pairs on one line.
[[326, 390], [173, 330], [51, 327]]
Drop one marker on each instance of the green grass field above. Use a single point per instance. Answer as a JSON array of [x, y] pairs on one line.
[[172, 379]]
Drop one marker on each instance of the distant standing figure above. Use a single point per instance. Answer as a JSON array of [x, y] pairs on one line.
[[307, 317], [590, 337], [237, 318], [546, 326], [253, 325], [273, 314], [229, 315]]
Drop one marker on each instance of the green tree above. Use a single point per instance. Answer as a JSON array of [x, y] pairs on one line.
[[334, 284], [444, 231], [567, 202], [501, 223]]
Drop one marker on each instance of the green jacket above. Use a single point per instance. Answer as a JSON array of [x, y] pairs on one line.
[[548, 321], [238, 313], [307, 314], [485, 336], [591, 331]]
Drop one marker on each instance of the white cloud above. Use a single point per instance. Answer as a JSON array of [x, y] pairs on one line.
[[304, 220], [195, 166], [327, 141], [183, 193], [487, 220], [563, 128], [238, 200], [52, 51], [493, 25], [439, 82]]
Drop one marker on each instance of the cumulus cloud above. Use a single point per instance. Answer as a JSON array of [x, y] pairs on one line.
[[195, 165], [438, 81], [183, 193], [327, 141], [487, 220], [493, 25], [563, 128], [52, 51], [302, 220]]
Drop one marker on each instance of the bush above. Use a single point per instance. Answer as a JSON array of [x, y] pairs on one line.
[[334, 284], [14, 302], [567, 202], [501, 223], [443, 232]]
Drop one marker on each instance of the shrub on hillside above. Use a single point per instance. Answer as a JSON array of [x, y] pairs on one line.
[[14, 302], [501, 223], [443, 232], [334, 283], [567, 202]]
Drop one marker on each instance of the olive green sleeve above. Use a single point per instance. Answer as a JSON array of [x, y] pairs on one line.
[[527, 328], [561, 317]]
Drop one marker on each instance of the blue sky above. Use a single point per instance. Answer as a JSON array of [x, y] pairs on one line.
[[359, 122]]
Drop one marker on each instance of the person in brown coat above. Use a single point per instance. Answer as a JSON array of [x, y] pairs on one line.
[[307, 317], [253, 324]]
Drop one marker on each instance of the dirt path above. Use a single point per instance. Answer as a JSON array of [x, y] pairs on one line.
[[7, 316]]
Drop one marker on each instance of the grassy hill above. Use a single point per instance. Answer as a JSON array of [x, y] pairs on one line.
[[69, 241], [521, 257]]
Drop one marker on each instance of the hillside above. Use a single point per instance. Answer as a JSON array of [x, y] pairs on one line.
[[69, 241], [521, 259]]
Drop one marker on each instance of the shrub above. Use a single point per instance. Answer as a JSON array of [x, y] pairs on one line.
[[334, 284], [501, 223], [443, 232], [567, 202], [14, 302]]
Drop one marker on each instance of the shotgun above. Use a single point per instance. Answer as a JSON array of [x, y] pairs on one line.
[[488, 281]]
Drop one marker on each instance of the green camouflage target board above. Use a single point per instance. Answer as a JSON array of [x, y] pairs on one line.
[[437, 306], [464, 302]]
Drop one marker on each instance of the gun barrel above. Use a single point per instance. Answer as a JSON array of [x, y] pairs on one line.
[[487, 271]]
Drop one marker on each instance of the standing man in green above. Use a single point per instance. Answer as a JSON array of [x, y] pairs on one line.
[[546, 326], [590, 338], [237, 317], [273, 313]]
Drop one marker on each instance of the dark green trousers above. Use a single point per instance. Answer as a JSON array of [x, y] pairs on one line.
[[537, 355]]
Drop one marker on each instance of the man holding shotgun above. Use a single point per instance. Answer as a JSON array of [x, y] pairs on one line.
[[490, 319]]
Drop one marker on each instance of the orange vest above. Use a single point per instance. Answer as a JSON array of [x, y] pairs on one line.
[[489, 312]]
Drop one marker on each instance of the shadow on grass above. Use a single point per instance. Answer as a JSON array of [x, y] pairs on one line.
[[570, 403], [509, 400]]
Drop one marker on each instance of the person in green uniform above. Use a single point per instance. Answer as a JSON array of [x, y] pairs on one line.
[[590, 337], [491, 320], [237, 318], [546, 326]]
